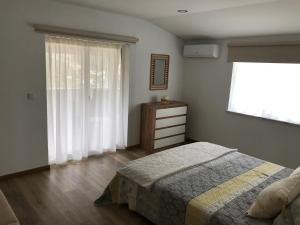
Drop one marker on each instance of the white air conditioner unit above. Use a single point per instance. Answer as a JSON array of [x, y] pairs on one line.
[[201, 51]]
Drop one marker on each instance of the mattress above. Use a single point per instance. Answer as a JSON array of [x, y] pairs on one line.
[[195, 184]]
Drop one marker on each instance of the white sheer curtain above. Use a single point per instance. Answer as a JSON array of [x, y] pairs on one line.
[[268, 90], [86, 98]]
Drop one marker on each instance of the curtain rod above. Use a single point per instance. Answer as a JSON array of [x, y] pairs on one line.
[[83, 33]]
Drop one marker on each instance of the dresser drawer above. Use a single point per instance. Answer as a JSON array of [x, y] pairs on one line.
[[170, 121], [169, 141], [163, 125], [169, 131], [171, 111]]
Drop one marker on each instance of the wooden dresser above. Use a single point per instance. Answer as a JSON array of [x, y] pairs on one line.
[[163, 125]]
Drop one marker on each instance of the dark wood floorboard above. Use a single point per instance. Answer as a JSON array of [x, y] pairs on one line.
[[65, 194]]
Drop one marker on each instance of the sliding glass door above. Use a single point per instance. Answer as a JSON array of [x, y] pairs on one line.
[[85, 93]]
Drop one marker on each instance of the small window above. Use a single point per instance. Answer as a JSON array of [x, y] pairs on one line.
[[267, 90]]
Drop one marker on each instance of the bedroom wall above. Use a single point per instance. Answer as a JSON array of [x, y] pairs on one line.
[[206, 89], [23, 124]]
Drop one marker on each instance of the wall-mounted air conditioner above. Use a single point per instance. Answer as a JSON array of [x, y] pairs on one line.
[[201, 51]]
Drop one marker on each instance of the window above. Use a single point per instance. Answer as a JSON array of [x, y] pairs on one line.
[[267, 90]]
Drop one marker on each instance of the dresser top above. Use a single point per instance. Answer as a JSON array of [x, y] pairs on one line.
[[168, 104]]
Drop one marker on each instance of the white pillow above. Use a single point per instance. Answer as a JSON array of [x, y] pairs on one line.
[[277, 196], [296, 172]]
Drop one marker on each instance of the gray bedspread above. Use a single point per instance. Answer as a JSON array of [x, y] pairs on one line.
[[218, 192]]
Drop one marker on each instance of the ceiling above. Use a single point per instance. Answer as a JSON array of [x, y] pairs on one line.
[[210, 18]]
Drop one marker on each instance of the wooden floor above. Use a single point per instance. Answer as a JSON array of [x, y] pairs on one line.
[[64, 195]]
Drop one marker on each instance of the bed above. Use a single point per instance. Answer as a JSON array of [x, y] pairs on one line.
[[195, 184]]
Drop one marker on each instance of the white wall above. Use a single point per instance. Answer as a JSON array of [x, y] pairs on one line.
[[206, 89], [23, 128]]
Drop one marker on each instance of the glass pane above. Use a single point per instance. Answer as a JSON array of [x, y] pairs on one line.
[[267, 90]]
